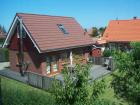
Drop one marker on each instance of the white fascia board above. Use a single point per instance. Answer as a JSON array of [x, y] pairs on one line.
[[6, 42], [10, 34]]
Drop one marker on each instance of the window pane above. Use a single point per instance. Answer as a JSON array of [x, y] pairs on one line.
[[48, 68], [55, 65], [62, 28]]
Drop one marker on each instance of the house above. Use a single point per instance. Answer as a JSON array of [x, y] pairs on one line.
[[119, 33], [2, 36], [43, 43]]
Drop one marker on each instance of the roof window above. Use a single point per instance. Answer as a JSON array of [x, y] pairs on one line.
[[62, 28]]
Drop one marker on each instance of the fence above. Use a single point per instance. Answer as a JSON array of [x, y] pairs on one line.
[[102, 60], [40, 81]]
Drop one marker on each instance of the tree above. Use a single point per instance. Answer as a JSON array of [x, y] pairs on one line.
[[78, 89], [101, 30], [3, 29], [97, 31], [94, 32], [126, 80]]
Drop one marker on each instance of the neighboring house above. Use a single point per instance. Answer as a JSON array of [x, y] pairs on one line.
[[120, 33], [48, 42], [2, 37]]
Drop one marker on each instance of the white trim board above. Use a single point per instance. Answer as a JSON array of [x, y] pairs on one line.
[[11, 31]]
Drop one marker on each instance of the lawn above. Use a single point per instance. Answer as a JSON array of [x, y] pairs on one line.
[[16, 93], [109, 92]]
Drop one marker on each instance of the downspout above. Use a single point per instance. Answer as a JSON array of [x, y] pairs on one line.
[[21, 52]]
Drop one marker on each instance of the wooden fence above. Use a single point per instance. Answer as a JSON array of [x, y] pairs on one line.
[[40, 81], [102, 60]]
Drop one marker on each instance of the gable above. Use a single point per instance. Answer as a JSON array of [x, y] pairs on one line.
[[11, 33]]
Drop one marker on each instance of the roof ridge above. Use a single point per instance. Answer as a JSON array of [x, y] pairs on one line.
[[44, 15], [126, 20]]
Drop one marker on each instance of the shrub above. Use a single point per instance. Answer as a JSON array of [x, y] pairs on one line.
[[107, 53], [77, 89], [4, 52], [126, 80]]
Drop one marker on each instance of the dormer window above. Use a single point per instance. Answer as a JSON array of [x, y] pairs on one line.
[[62, 28]]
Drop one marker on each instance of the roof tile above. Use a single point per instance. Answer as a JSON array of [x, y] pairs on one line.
[[47, 35]]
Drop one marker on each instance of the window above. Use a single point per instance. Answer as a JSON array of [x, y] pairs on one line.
[[48, 68], [62, 28], [54, 63], [17, 58]]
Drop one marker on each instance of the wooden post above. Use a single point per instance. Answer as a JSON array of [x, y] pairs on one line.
[[21, 48]]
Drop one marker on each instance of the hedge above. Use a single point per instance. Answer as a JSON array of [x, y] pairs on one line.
[[4, 55]]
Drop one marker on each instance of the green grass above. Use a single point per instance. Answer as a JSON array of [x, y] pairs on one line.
[[16, 93], [109, 92]]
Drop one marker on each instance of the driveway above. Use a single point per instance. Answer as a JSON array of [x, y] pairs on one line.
[[98, 71], [5, 71], [4, 65]]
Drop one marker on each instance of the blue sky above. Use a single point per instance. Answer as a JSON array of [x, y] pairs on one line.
[[89, 13]]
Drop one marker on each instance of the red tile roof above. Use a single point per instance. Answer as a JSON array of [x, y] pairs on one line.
[[47, 35], [122, 30]]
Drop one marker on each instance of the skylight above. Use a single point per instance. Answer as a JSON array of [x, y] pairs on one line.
[[62, 28]]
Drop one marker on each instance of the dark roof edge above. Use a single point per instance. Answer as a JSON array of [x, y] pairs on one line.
[[66, 48]]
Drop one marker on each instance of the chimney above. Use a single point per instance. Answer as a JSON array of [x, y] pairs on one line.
[[134, 17]]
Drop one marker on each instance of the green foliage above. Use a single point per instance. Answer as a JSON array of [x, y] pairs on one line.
[[77, 89], [101, 30], [107, 53], [126, 81], [2, 28], [97, 31], [16, 93], [94, 32], [5, 53], [77, 59], [1, 41]]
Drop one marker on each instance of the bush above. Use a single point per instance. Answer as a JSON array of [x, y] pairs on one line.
[[126, 81], [5, 53], [77, 89], [107, 53], [2, 41]]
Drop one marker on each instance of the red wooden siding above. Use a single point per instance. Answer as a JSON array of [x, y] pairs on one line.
[[96, 52]]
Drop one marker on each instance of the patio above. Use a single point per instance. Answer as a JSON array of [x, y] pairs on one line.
[[97, 71]]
